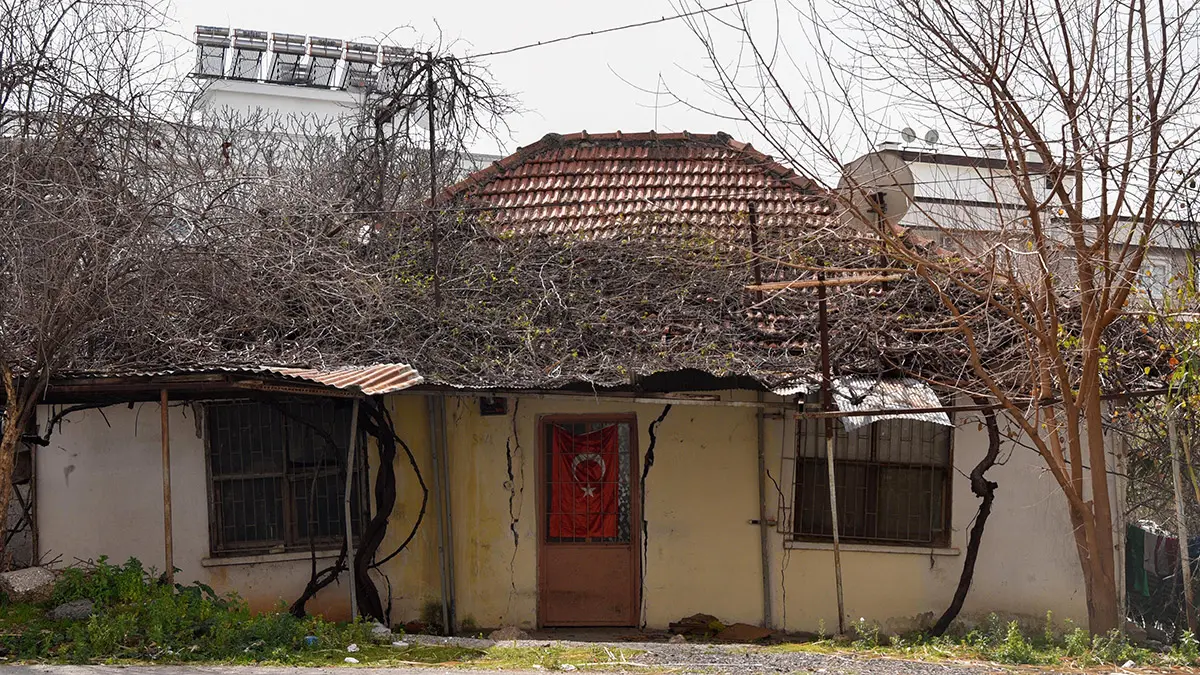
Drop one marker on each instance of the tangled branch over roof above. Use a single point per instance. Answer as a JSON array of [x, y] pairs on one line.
[[597, 259]]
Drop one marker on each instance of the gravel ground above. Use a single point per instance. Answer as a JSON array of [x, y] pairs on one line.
[[654, 657], [737, 659]]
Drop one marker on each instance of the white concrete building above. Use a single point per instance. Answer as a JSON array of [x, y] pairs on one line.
[[969, 199], [301, 82]]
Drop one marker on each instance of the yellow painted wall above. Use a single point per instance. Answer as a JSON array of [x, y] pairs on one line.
[[702, 552]]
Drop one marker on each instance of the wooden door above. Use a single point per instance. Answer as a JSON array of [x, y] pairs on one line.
[[589, 508]]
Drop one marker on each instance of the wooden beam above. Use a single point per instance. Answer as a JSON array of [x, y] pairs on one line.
[[826, 283]]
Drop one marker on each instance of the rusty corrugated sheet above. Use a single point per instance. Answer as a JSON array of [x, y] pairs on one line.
[[371, 380]]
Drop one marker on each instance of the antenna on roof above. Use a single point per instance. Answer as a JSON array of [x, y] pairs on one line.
[[908, 135], [931, 136]]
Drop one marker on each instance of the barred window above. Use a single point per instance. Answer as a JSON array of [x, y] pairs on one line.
[[277, 475], [892, 477]]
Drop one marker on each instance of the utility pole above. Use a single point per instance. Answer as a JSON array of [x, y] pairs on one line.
[[434, 228], [827, 406]]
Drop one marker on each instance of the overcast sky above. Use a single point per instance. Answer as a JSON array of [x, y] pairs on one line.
[[592, 83]]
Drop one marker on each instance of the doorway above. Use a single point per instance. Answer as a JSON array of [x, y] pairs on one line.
[[589, 562]]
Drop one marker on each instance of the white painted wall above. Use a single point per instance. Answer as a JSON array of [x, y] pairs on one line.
[[100, 492]]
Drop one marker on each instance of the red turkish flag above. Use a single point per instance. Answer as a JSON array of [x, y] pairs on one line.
[[583, 484]]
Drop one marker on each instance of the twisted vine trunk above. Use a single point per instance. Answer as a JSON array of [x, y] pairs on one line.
[[986, 491]]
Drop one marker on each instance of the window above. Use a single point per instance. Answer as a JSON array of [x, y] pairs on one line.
[[1156, 278], [893, 483], [277, 475]]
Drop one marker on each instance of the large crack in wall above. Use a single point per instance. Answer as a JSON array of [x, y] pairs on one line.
[[516, 498], [647, 463]]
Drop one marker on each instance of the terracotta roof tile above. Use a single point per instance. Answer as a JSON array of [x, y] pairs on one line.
[[618, 183]]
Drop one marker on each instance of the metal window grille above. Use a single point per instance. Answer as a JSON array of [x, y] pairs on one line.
[[892, 477], [577, 479], [277, 474]]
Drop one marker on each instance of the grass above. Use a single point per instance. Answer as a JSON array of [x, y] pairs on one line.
[[1006, 643], [139, 618]]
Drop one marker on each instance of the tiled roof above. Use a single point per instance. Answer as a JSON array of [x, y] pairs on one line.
[[603, 185]]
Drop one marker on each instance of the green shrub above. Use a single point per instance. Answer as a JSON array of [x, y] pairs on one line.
[[1078, 643], [1015, 649], [1187, 652], [1113, 648], [138, 616], [866, 634]]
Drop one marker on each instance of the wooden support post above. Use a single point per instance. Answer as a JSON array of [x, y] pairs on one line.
[[1189, 594], [169, 539], [350, 454], [827, 406]]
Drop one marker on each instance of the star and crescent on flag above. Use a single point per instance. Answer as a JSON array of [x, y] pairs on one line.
[[583, 487]]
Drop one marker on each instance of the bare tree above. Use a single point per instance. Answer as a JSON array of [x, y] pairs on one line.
[[136, 234], [1090, 107]]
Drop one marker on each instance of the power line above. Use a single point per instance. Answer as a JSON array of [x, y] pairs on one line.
[[610, 30]]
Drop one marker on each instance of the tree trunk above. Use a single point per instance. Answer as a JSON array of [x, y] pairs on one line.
[[9, 441], [986, 491], [1103, 605]]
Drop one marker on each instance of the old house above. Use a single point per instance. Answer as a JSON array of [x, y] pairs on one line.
[[609, 463]]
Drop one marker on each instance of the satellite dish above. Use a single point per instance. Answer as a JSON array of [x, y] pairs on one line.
[[931, 136], [877, 185], [908, 135]]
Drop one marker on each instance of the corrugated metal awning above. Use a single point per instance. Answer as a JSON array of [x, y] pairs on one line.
[[855, 393], [370, 380], [382, 378]]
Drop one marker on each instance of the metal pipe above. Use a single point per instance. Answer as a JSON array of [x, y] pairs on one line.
[[348, 510], [1189, 594], [168, 538], [712, 401], [764, 529], [827, 405], [443, 567], [451, 601]]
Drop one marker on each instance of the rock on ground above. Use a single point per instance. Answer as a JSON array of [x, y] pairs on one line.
[[76, 610], [381, 633], [508, 633], [30, 585]]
